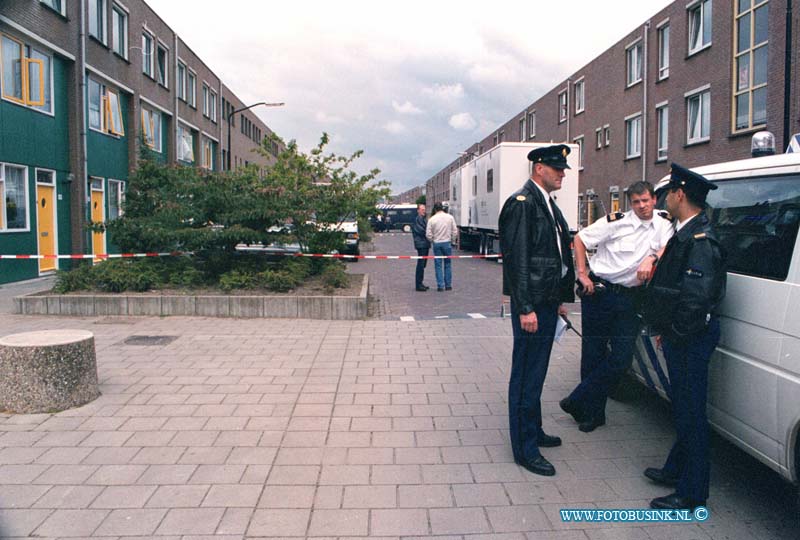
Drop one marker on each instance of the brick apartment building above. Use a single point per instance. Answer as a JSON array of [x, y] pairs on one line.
[[410, 196], [691, 85], [82, 94]]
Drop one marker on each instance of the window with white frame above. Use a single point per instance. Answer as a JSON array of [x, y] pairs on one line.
[[532, 124], [633, 136], [116, 196], [212, 105], [185, 144], [208, 154], [662, 127], [563, 106], [606, 135], [13, 198], [633, 61], [119, 31], [579, 96], [180, 81], [97, 19], [105, 109], [699, 25], [598, 134], [151, 128], [27, 75], [501, 137], [698, 116], [191, 88], [579, 141], [58, 5], [522, 129], [205, 100], [147, 54], [162, 65], [750, 63], [663, 51]]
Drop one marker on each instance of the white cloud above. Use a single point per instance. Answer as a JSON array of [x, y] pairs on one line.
[[445, 92], [395, 128], [462, 121], [325, 118], [406, 108]]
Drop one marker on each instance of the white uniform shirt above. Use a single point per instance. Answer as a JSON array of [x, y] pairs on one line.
[[622, 244]]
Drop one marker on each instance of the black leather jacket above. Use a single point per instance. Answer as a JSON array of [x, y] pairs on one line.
[[531, 260], [689, 282], [418, 231]]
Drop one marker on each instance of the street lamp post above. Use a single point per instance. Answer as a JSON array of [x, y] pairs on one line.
[[230, 117]]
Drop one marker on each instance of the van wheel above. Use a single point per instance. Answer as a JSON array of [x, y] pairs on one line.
[[406, 228]]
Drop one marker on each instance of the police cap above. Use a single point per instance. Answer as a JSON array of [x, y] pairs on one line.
[[689, 181], [554, 156]]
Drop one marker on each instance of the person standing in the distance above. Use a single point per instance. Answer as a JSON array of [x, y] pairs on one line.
[[627, 246], [687, 288], [422, 245], [538, 275], [442, 232]]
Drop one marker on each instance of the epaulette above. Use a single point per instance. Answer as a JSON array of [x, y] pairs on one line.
[[664, 214], [614, 216], [699, 236]]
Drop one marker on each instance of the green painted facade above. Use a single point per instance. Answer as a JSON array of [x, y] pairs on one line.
[[34, 139]]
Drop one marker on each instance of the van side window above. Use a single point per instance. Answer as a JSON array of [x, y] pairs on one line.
[[757, 221]]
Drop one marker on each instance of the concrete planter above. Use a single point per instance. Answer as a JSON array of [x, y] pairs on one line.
[[346, 308]]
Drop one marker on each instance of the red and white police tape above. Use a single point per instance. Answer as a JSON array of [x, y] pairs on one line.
[[319, 255]]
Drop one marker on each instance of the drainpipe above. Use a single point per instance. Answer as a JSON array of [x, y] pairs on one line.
[[569, 107], [787, 77], [175, 93], [644, 99], [80, 188]]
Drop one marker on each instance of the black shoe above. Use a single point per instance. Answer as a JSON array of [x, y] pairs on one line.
[[538, 466], [439, 289], [425, 287], [587, 426], [448, 288], [572, 409], [675, 502], [549, 441], [660, 477], [422, 289]]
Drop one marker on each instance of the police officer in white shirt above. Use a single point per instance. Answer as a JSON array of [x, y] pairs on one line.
[[628, 244]]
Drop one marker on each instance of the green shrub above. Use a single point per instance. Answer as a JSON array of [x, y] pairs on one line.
[[279, 280], [186, 278], [298, 266], [334, 276], [124, 275], [237, 280], [77, 279]]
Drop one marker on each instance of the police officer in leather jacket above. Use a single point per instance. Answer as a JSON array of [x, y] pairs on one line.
[[538, 274], [682, 297]]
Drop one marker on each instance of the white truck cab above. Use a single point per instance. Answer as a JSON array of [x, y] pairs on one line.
[[754, 374]]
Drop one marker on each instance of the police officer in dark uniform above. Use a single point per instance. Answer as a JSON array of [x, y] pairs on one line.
[[686, 289], [538, 274]]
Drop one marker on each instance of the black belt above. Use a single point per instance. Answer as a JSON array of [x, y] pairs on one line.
[[614, 287]]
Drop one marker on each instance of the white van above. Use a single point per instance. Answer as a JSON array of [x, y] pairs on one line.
[[754, 375]]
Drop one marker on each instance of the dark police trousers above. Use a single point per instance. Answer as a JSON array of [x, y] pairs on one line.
[[687, 365], [421, 264], [529, 363], [607, 318]]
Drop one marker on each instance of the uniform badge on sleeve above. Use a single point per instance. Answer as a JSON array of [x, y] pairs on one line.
[[614, 216], [699, 236], [691, 272], [520, 197]]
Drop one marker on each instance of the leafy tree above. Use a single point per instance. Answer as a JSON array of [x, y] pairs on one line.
[[186, 209], [421, 199]]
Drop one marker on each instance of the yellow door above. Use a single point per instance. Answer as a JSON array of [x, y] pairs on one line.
[[45, 220], [98, 216]]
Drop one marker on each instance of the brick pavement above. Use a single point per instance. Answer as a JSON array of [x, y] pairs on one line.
[[276, 428], [477, 283]]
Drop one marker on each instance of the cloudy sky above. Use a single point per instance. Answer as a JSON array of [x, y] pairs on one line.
[[411, 83]]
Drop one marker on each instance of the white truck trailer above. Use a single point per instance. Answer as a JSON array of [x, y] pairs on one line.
[[479, 189]]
